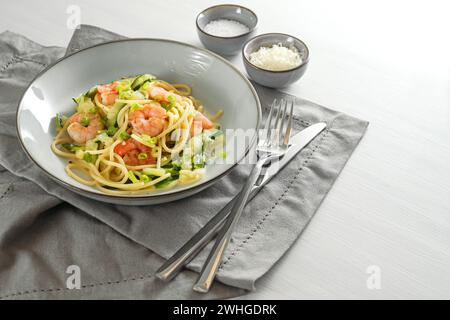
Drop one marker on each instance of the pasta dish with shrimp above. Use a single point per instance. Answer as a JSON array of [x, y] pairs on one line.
[[137, 134]]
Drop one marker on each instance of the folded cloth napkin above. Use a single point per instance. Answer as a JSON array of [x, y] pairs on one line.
[[47, 228]]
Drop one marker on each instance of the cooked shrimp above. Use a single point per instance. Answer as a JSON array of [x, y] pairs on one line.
[[108, 93], [200, 122], [84, 126], [206, 123], [196, 127], [134, 153], [161, 94], [148, 120]]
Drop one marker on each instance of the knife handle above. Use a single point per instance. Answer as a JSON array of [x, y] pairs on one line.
[[189, 250]]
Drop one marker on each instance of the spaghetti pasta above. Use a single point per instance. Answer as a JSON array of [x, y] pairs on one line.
[[136, 135]]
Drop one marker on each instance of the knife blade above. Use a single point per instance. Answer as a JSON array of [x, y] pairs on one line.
[[188, 251]]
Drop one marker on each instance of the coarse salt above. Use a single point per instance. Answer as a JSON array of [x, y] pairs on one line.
[[276, 58], [225, 28]]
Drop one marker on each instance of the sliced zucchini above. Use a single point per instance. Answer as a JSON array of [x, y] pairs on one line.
[[85, 106], [186, 158], [104, 139], [140, 80], [198, 160], [71, 147], [154, 172], [112, 114], [91, 145], [165, 183], [91, 92], [78, 99], [213, 141], [212, 134], [60, 120]]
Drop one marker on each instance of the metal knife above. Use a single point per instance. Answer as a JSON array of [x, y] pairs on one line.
[[188, 251]]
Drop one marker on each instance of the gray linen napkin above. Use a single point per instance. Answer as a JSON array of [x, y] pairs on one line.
[[40, 235]]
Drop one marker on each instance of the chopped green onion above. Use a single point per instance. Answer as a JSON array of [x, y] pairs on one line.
[[172, 100], [88, 157], [123, 86], [111, 131], [104, 120], [124, 135], [124, 90], [85, 121], [120, 89], [126, 95], [93, 110], [145, 178], [142, 156], [132, 177]]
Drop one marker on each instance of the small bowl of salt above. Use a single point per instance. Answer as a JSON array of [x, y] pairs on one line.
[[225, 28], [275, 60]]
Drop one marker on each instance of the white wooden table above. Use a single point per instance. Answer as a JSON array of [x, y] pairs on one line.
[[385, 62]]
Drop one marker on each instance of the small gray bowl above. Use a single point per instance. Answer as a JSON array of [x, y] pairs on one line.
[[270, 78], [225, 45]]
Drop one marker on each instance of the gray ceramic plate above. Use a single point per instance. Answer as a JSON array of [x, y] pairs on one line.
[[214, 81]]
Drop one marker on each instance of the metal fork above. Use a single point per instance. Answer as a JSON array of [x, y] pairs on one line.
[[272, 145]]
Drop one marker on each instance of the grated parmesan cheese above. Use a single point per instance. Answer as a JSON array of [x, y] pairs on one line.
[[276, 58], [226, 28]]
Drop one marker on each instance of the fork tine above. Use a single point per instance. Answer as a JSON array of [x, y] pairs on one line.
[[287, 135], [268, 120], [276, 126], [277, 117], [268, 123], [273, 118], [283, 120]]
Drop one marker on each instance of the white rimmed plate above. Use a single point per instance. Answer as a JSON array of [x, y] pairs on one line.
[[214, 81]]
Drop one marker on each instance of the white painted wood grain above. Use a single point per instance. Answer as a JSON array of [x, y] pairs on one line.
[[387, 62]]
